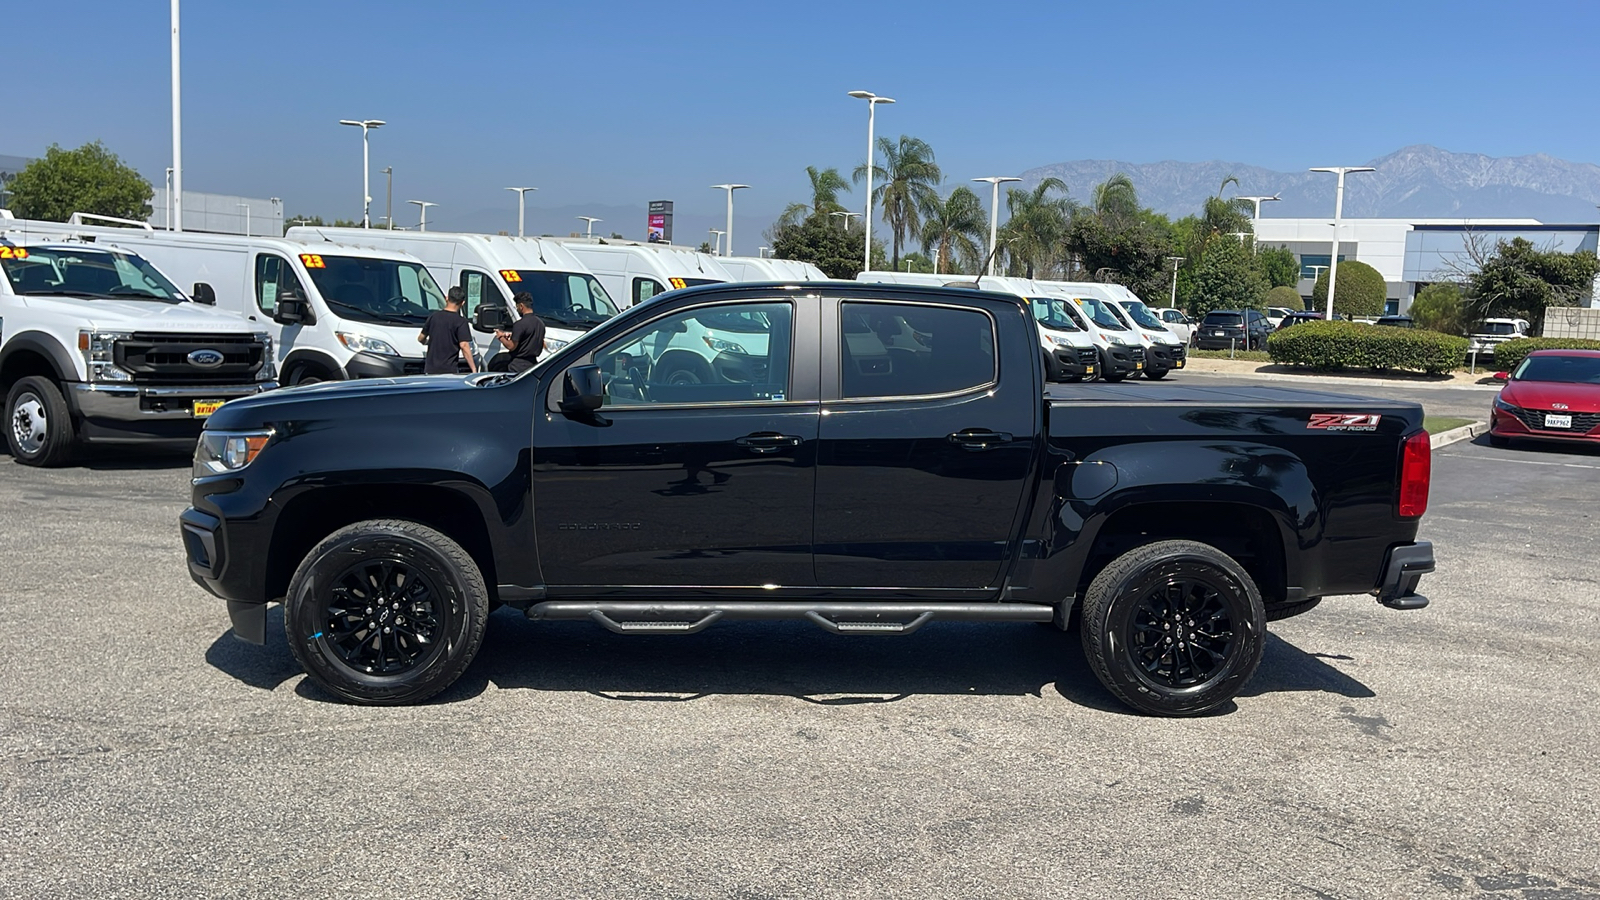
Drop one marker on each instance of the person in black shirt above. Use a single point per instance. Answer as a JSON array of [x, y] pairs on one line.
[[525, 341], [448, 337]]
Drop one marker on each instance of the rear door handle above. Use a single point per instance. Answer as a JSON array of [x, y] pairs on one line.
[[767, 442], [976, 439]]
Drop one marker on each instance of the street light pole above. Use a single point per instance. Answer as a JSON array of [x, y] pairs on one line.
[[388, 200], [522, 194], [994, 211], [730, 188], [422, 213], [762, 252], [169, 198], [847, 216], [176, 222], [1173, 303], [366, 125], [1258, 201], [872, 105], [590, 220], [716, 241], [1338, 211]]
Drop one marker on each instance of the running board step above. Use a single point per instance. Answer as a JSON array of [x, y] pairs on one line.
[[643, 617]]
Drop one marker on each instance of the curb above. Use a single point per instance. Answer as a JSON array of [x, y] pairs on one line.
[[1455, 435], [1335, 379]]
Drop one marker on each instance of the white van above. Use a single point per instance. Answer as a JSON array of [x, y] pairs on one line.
[[1164, 351], [335, 311], [1122, 353], [633, 272], [493, 269], [750, 268], [1070, 353]]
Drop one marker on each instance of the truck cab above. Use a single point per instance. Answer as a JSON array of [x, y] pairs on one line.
[[97, 345]]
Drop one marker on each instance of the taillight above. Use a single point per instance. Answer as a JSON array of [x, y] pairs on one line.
[[1416, 471]]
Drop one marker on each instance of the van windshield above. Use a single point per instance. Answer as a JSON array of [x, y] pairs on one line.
[[86, 273], [1101, 313], [1052, 314], [569, 299], [1142, 315], [375, 290]]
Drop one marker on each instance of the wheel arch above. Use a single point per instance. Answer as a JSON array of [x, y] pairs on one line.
[[306, 357], [1247, 532], [35, 353]]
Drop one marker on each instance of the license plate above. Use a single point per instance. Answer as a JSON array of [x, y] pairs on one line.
[[1178, 364], [1219, 334], [1558, 421], [1138, 365], [203, 408], [1089, 370]]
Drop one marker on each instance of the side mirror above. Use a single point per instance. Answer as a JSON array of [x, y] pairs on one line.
[[584, 391], [1502, 376], [292, 309], [203, 293], [491, 317]]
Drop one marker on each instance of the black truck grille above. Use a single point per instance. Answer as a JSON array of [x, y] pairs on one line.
[[1582, 423], [1088, 357], [156, 358]]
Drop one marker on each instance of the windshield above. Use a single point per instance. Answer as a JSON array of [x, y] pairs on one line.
[[1222, 319], [565, 298], [1563, 369], [1142, 315], [1101, 314], [389, 291], [82, 272], [1053, 314], [1498, 328]]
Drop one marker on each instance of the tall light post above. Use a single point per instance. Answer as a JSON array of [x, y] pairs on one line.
[[762, 252], [175, 223], [1174, 260], [388, 198], [847, 216], [422, 213], [994, 211], [522, 195], [1257, 201], [589, 221], [872, 105], [1338, 212], [716, 241], [730, 188], [246, 208], [366, 125]]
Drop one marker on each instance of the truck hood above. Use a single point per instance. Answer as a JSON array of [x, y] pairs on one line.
[[345, 400], [1579, 398], [140, 315]]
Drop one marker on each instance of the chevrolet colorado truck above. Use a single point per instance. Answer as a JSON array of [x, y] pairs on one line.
[[867, 457]]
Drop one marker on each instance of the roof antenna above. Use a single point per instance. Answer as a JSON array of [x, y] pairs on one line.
[[540, 245]]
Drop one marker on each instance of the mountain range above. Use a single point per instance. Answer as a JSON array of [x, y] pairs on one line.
[[1420, 181]]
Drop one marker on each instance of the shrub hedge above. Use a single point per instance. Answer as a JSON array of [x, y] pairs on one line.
[[1508, 354], [1352, 345]]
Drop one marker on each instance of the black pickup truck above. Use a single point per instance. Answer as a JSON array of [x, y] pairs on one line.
[[867, 457]]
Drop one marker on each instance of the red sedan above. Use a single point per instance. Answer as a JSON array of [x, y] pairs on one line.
[[1552, 395]]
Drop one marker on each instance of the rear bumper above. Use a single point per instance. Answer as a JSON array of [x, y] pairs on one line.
[[1209, 341], [139, 413], [1402, 570]]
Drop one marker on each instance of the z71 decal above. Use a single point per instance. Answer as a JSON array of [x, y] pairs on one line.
[[1344, 421]]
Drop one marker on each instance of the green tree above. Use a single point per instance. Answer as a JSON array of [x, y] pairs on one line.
[[1439, 307], [820, 241], [1036, 227], [1359, 292], [1280, 265], [955, 232], [904, 188], [825, 187], [916, 262], [1520, 280], [90, 179], [1284, 296], [1116, 202], [1227, 278]]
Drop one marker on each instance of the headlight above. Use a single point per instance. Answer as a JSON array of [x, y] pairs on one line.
[[99, 354], [221, 452], [1501, 404], [360, 343], [718, 345], [551, 345], [1060, 341]]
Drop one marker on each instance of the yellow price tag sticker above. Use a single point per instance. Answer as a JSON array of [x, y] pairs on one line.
[[13, 253], [313, 261], [510, 275], [678, 282]]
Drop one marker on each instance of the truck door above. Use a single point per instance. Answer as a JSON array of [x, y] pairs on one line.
[[703, 479], [924, 449]]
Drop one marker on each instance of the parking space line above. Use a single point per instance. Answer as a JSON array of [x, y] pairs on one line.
[[1539, 462]]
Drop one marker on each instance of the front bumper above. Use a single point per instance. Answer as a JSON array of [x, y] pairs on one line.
[[1064, 363], [138, 413], [374, 365], [1163, 357], [1120, 359], [1404, 567]]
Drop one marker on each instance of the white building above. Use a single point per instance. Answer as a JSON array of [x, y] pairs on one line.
[[1413, 253]]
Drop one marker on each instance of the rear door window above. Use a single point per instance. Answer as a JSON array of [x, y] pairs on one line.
[[894, 350]]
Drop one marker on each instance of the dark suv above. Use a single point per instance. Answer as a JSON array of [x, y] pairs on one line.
[[1221, 329]]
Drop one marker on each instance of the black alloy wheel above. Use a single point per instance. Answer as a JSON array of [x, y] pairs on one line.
[[386, 612], [1173, 628]]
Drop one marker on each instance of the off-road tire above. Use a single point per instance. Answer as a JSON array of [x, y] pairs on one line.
[[1289, 610]]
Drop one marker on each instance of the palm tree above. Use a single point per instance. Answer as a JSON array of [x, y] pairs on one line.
[[955, 231], [904, 187], [1037, 227], [825, 187], [1115, 200]]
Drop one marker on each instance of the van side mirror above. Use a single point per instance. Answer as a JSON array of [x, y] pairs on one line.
[[584, 391], [292, 309], [203, 293], [491, 316]]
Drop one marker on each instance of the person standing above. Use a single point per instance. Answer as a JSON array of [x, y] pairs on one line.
[[525, 341], [448, 337]]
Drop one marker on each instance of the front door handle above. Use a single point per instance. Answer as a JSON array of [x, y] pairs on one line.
[[976, 439], [767, 442]]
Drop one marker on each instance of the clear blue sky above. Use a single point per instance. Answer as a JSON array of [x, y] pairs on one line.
[[614, 104]]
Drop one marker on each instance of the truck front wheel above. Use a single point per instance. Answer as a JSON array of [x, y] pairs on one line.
[[39, 426], [1173, 628], [386, 612]]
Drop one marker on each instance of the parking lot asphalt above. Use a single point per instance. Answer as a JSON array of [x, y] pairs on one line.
[[1446, 752]]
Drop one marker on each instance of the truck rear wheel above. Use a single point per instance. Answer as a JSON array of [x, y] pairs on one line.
[[39, 426], [386, 612], [1173, 628]]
